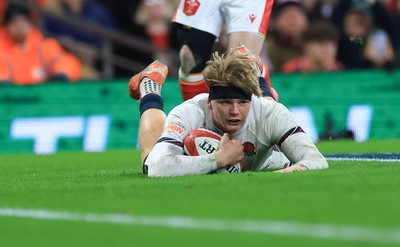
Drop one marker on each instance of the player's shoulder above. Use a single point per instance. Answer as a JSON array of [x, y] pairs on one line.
[[265, 104], [197, 102], [191, 108]]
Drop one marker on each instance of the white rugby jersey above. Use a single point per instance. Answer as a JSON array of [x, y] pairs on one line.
[[268, 124]]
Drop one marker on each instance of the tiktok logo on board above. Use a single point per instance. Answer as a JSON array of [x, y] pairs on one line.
[[47, 131]]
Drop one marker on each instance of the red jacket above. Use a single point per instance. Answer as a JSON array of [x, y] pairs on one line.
[[302, 64]]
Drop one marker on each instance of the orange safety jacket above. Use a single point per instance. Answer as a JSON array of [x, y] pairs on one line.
[[36, 61]]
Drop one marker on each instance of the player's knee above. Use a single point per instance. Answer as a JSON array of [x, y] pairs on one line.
[[185, 53], [187, 59], [196, 46]]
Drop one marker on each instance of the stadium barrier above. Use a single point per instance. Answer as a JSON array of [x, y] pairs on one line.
[[97, 116]]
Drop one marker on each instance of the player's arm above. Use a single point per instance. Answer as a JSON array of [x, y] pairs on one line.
[[294, 142], [167, 159], [293, 168], [300, 149]]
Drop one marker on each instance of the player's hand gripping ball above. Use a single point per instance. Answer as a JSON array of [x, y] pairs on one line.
[[202, 142]]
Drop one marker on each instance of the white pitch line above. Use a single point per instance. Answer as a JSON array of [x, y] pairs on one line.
[[324, 231]]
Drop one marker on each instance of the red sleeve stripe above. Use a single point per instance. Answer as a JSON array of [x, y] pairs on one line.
[[292, 131], [266, 17]]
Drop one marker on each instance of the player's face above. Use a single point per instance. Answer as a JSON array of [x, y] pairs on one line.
[[229, 115]]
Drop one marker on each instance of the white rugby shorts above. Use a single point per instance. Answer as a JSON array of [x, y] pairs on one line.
[[239, 15]]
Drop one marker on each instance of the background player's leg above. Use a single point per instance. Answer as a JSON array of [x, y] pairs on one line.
[[252, 41], [195, 51]]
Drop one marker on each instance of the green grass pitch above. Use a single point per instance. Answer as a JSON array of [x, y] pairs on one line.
[[102, 199]]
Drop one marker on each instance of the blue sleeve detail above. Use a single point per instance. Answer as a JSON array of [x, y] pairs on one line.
[[170, 140]]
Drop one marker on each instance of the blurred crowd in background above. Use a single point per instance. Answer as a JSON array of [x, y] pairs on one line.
[[303, 36]]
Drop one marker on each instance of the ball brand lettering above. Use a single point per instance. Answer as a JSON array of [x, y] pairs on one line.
[[232, 169], [208, 147]]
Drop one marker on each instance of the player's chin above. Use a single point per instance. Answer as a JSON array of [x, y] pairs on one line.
[[232, 128]]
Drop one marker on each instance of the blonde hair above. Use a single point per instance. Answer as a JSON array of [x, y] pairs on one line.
[[230, 70]]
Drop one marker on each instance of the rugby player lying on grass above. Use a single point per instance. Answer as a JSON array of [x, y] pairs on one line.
[[259, 132]]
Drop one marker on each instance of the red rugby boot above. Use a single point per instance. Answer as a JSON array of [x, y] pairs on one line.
[[156, 71], [245, 53]]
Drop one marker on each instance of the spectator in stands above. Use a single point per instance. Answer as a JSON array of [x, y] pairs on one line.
[[2, 10], [320, 9], [125, 15], [357, 20], [155, 16], [285, 41], [26, 57], [34, 15], [319, 50], [393, 7], [80, 42]]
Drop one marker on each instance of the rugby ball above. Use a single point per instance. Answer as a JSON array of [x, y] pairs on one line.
[[202, 142]]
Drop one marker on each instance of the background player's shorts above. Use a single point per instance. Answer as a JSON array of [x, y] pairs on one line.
[[239, 15]]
